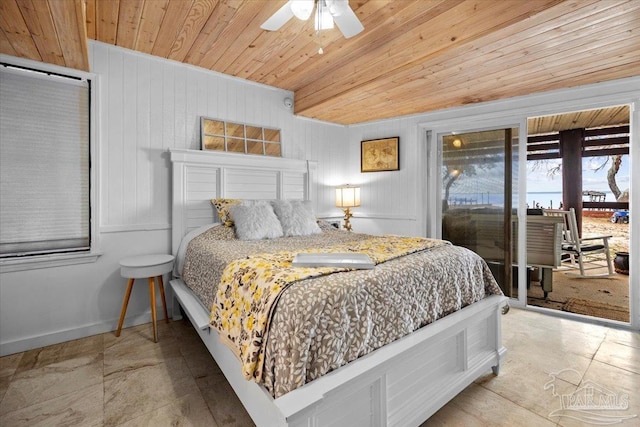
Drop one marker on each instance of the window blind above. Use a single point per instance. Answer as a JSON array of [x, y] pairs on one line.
[[44, 163]]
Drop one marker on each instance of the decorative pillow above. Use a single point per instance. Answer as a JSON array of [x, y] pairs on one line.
[[223, 206], [255, 222], [296, 217]]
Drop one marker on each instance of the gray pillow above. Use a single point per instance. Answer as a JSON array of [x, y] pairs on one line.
[[255, 222], [296, 217]]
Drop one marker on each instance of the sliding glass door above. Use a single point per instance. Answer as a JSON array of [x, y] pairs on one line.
[[479, 198]]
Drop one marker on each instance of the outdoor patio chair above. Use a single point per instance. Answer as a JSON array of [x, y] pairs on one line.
[[585, 254]]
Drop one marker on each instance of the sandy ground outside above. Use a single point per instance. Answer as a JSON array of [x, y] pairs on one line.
[[613, 291], [604, 227]]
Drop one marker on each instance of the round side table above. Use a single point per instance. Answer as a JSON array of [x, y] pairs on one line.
[[150, 267]]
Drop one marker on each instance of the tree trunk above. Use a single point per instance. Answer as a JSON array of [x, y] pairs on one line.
[[611, 175], [449, 180]]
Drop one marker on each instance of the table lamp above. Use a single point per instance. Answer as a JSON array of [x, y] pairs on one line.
[[347, 197]]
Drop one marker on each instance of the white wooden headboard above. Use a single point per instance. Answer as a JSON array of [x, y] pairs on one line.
[[199, 176]]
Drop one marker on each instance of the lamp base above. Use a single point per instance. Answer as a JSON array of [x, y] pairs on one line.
[[347, 216]]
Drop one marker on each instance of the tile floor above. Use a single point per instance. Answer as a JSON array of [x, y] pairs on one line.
[[130, 381]]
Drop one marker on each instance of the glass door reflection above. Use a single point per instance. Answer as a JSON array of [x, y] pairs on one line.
[[479, 178]]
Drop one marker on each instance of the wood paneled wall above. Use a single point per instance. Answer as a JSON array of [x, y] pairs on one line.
[[387, 195], [148, 105]]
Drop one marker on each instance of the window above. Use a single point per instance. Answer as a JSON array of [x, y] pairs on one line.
[[219, 135], [45, 165]]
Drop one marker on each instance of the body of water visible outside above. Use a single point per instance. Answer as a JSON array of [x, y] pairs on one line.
[[542, 199]]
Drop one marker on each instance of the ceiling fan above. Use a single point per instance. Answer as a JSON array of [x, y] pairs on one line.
[[327, 12]]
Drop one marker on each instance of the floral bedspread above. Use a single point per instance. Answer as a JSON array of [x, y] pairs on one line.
[[319, 324], [250, 287]]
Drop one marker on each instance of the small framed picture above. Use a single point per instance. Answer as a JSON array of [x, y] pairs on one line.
[[380, 155]]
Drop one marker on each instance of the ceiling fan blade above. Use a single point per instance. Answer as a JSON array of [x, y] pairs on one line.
[[279, 18], [347, 21]]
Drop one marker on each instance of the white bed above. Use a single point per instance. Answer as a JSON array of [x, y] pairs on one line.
[[441, 358]]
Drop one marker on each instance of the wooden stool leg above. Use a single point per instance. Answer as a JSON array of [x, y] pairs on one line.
[[164, 301], [125, 303], [152, 298]]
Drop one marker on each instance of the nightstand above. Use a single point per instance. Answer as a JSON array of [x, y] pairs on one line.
[[151, 267]]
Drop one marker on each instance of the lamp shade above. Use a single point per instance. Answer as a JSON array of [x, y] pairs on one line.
[[347, 197]]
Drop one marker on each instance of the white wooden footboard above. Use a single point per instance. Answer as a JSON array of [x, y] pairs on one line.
[[401, 384]]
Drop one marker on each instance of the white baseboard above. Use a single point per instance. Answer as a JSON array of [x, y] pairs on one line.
[[30, 343]]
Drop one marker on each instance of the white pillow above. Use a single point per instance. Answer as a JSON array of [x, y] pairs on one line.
[[223, 207], [296, 217], [255, 222]]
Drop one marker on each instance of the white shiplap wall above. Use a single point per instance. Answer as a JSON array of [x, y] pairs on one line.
[[147, 105], [389, 202]]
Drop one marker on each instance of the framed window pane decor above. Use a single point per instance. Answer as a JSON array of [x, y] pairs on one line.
[[380, 155], [219, 135]]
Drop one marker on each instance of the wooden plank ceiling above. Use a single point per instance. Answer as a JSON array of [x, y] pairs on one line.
[[588, 119], [413, 56]]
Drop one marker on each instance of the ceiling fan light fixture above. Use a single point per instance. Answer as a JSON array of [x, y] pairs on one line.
[[323, 20], [302, 8], [329, 13]]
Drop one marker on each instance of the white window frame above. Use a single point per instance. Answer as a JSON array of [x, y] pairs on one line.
[[62, 259]]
